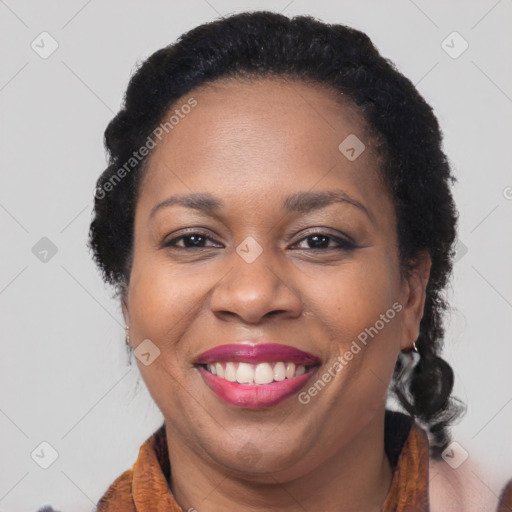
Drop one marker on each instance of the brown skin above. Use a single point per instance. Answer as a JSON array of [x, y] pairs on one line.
[[251, 144]]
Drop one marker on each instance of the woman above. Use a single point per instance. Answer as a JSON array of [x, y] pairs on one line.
[[277, 220]]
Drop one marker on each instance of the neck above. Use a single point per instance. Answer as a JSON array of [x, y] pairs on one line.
[[355, 478]]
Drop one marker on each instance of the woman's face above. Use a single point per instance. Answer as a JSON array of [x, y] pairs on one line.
[[266, 260]]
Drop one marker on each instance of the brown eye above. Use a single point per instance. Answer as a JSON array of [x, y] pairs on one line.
[[192, 240], [323, 241]]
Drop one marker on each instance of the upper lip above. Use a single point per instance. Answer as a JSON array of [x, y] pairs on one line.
[[257, 353]]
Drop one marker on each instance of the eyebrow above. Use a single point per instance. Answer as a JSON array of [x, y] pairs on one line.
[[306, 201], [197, 201], [301, 202]]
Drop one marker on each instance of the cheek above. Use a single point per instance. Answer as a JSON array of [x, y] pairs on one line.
[[163, 303], [162, 298], [353, 297], [358, 306]]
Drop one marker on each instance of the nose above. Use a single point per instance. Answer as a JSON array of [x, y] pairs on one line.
[[254, 292]]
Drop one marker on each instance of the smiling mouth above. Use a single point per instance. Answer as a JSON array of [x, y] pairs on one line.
[[257, 374]]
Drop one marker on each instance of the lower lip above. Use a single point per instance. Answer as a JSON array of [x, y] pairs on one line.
[[257, 396]]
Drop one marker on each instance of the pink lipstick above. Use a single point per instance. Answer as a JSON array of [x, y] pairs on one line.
[[256, 376]]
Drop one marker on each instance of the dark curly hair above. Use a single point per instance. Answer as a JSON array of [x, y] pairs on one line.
[[414, 168]]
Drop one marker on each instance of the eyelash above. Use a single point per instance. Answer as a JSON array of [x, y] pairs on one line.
[[343, 244]]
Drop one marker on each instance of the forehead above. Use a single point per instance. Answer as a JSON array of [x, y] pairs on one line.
[[249, 135]]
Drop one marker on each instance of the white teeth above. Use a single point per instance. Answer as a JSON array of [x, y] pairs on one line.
[[230, 372], [279, 372], [300, 370], [245, 374], [219, 370], [263, 374], [290, 370], [251, 374]]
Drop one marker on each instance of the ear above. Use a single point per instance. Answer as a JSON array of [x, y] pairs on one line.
[[413, 298]]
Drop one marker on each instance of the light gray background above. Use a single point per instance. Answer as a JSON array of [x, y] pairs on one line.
[[65, 378]]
